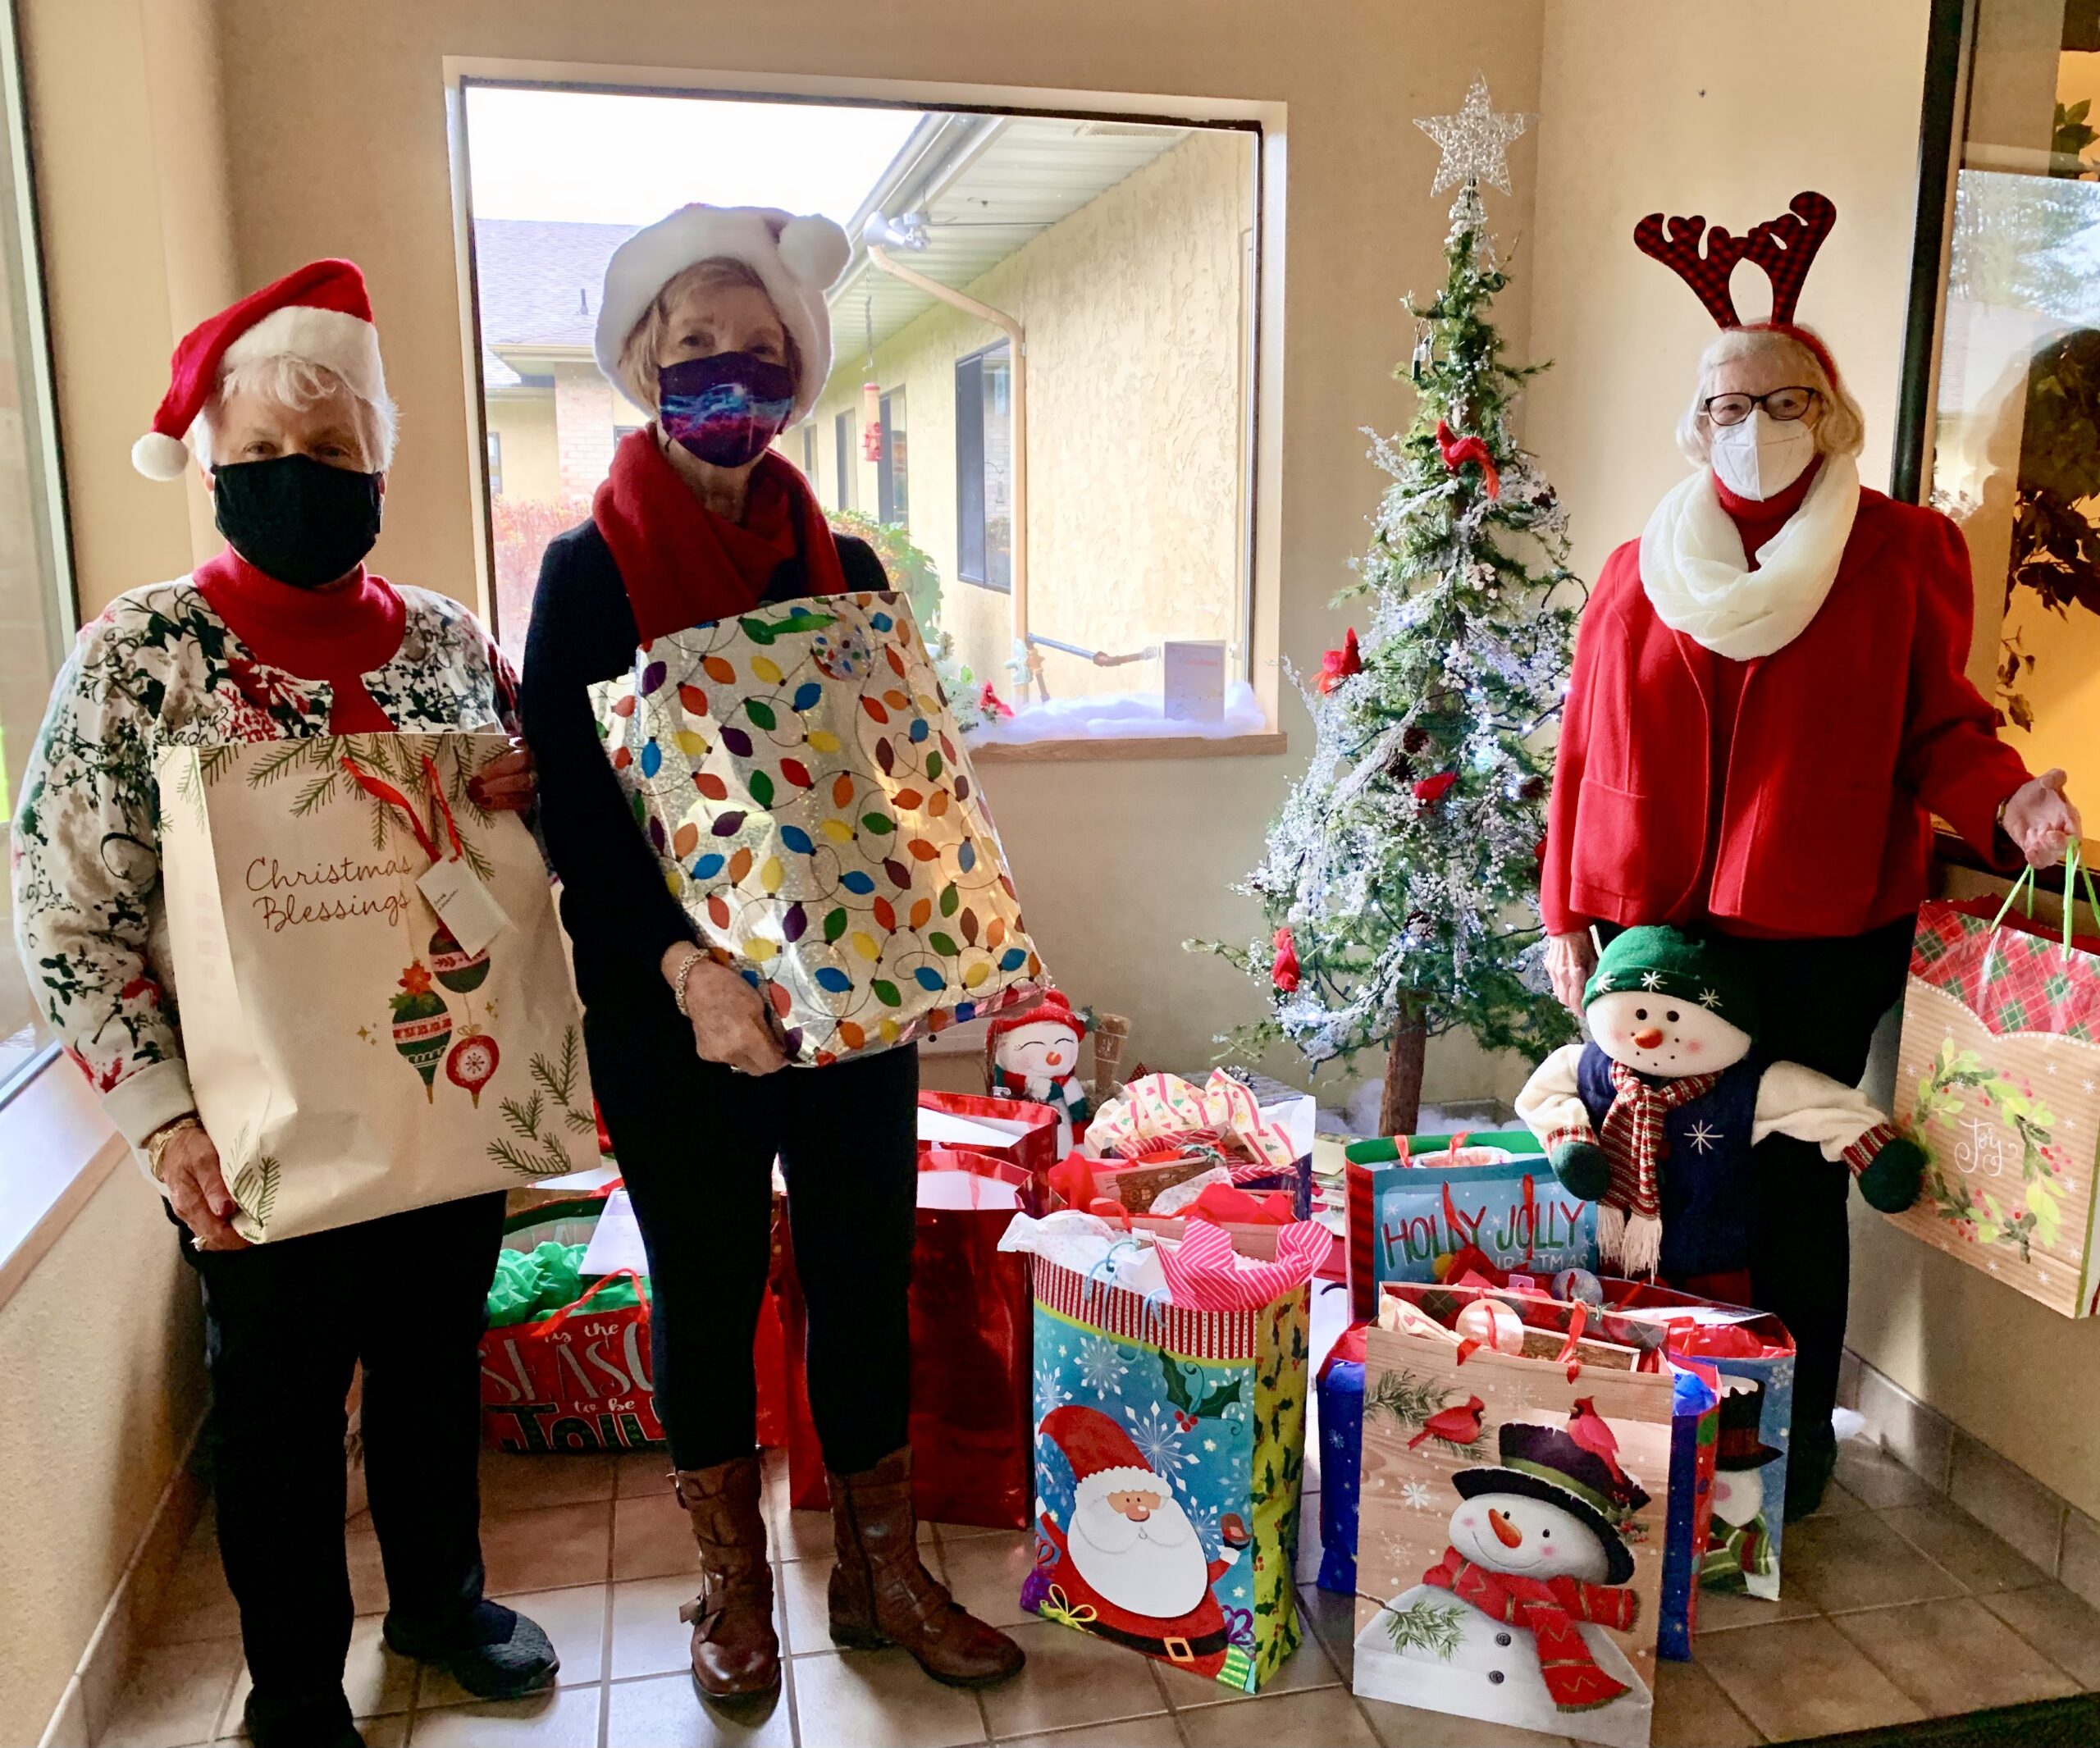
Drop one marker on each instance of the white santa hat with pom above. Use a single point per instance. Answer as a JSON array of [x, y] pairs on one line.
[[797, 260], [318, 313]]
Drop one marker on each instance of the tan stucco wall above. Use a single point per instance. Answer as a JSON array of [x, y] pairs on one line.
[[1133, 307], [531, 461]]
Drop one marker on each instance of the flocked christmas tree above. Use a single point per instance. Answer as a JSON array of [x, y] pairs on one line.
[[1400, 884]]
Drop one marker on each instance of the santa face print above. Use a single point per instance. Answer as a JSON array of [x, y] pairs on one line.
[[1738, 1496], [1514, 1533], [1043, 1051], [1666, 1036], [1140, 1550]]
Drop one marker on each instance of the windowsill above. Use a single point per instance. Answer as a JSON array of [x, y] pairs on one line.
[[1128, 747], [57, 1149]]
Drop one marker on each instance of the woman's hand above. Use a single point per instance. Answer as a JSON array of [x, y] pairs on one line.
[[190, 1169], [507, 782], [1569, 961], [2040, 819], [728, 1017]]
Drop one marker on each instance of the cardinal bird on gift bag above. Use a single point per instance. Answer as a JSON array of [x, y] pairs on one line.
[[1458, 1426], [1587, 1428], [1337, 665], [1458, 451]]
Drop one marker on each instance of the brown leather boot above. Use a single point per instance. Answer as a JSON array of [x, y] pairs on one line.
[[735, 1652], [881, 1594]]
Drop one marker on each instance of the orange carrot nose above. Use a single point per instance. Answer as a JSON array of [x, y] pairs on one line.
[[1648, 1039], [1506, 1532], [1054, 1060]]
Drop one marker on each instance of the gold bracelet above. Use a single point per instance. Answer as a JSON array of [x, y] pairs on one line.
[[685, 973], [156, 1143]]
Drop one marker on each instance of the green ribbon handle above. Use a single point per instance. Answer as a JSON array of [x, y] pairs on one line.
[[2024, 884]]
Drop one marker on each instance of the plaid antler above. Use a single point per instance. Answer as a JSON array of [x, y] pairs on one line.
[[1707, 273], [1785, 247]]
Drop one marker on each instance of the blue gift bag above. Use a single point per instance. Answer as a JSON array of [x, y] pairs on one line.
[[1341, 1460]]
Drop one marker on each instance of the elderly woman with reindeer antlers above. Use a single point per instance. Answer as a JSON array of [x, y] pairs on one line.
[[1768, 706]]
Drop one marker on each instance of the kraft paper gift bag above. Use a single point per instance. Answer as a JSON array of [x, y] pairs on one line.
[[1511, 1533], [1998, 1079], [350, 1056], [804, 784]]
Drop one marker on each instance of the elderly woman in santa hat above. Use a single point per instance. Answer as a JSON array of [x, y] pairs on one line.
[[1768, 706], [713, 323], [285, 634]]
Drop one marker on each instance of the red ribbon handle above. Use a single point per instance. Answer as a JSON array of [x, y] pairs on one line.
[[384, 792], [539, 1331], [1578, 1321]]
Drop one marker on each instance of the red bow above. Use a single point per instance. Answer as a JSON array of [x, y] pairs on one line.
[[1457, 451], [1550, 1608], [1337, 665], [1284, 972]]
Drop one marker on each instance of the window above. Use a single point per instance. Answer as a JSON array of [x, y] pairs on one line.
[[2002, 394], [621, 433], [841, 434], [895, 499], [37, 612], [1079, 292], [496, 464], [983, 468]]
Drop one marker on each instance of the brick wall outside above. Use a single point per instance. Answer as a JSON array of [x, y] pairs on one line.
[[585, 408]]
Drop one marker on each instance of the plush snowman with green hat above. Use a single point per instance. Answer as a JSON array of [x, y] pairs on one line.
[[1656, 1117]]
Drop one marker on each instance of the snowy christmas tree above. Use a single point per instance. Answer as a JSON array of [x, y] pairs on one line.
[[1401, 881]]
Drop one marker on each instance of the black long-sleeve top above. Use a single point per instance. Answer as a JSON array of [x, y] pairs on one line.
[[619, 914]]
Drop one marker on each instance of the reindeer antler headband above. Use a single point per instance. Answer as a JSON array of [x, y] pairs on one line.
[[1784, 246]]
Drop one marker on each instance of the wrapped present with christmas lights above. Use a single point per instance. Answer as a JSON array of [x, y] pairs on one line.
[[804, 783]]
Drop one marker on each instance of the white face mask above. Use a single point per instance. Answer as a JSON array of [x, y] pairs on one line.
[[1762, 456]]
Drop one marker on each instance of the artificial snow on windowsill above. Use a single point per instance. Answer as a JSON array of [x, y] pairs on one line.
[[1121, 716]]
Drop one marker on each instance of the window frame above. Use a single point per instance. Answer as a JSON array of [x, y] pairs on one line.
[[841, 448], [496, 464], [973, 560], [887, 474]]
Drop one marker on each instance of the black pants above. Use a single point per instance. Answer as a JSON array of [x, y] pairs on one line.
[[285, 1325], [696, 1143]]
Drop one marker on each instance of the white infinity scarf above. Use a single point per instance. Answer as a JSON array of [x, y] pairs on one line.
[[1700, 583]]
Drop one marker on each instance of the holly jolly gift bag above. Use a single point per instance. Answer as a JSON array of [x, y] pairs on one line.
[[352, 1053], [1996, 1074], [804, 783], [1511, 1535]]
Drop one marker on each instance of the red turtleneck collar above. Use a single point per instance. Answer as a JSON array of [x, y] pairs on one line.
[[1757, 519], [338, 634]]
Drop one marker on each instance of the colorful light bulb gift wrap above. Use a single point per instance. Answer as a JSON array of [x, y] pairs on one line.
[[804, 784]]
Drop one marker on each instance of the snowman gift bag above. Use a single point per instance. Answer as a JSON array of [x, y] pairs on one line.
[[1511, 1535], [804, 784], [377, 1007]]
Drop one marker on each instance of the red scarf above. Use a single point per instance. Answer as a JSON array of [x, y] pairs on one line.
[[684, 565], [1550, 1608], [338, 634], [1632, 1137]]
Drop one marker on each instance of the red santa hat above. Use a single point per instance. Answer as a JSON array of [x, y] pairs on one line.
[[1103, 1460], [1052, 1009], [318, 313], [797, 260]]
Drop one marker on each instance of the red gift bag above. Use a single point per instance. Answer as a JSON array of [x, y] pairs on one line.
[[1022, 1134], [972, 1346]]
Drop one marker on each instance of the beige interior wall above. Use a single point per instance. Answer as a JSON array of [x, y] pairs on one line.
[[1120, 861], [102, 1352]]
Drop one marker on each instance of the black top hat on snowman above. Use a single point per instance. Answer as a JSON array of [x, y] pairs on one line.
[[1543, 1462], [1740, 1443]]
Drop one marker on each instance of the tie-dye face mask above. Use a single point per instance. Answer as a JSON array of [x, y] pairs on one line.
[[727, 408]]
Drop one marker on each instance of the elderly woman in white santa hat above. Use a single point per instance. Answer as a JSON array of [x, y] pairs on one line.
[[1768, 707], [285, 634], [714, 323]]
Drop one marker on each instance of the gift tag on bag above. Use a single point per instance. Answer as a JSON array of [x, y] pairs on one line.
[[464, 905]]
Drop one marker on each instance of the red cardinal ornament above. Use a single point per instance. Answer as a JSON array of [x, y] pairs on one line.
[[1458, 451], [1587, 1428], [1284, 972], [1459, 1426], [992, 703], [1337, 665], [1432, 790]]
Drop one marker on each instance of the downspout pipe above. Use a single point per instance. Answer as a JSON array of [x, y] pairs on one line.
[[1017, 599]]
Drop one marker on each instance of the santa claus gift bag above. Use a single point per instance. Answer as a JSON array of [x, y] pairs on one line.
[[805, 786], [1512, 1527], [1996, 1079], [1171, 1380], [375, 998]]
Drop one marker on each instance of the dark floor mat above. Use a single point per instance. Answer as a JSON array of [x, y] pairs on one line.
[[2049, 1723]]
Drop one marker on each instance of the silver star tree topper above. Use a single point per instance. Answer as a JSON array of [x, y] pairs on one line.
[[1475, 141]]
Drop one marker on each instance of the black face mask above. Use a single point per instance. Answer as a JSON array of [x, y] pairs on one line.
[[295, 519]]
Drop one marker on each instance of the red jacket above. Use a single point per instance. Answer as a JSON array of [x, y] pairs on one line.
[[1845, 741]]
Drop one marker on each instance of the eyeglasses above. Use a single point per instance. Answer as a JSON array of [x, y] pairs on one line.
[[1786, 405]]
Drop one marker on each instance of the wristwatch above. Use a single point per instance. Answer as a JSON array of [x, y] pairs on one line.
[[156, 1142]]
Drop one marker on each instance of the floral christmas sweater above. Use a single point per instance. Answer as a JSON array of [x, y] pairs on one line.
[[162, 668]]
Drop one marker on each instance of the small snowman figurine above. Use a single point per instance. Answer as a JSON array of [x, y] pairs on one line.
[[1740, 1554], [1510, 1627], [1034, 1055], [1655, 1117]]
